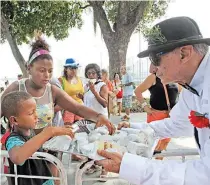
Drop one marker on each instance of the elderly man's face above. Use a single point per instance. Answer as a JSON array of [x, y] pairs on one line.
[[169, 67]]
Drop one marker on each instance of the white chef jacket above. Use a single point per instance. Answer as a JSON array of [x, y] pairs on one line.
[[143, 171]]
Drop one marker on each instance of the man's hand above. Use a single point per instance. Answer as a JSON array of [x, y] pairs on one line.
[[123, 124], [59, 131], [112, 162], [103, 121]]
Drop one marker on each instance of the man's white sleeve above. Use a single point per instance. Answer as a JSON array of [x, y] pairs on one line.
[[143, 171], [178, 124]]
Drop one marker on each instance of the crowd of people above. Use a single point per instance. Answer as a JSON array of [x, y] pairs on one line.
[[41, 107], [46, 97]]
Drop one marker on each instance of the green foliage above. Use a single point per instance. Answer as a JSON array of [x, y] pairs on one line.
[[53, 18], [154, 35], [154, 10], [111, 9]]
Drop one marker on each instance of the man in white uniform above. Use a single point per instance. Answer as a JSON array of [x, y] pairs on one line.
[[178, 53]]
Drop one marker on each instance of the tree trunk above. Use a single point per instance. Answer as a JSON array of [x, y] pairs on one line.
[[16, 53], [118, 37], [117, 58], [117, 49], [13, 45]]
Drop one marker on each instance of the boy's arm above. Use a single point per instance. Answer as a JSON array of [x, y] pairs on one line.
[[22, 151]]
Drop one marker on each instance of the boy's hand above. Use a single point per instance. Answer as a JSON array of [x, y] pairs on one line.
[[59, 131]]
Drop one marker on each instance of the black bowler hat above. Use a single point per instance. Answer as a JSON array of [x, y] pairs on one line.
[[172, 33]]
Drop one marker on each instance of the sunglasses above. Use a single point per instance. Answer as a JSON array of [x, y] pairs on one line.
[[155, 58], [73, 67], [90, 72]]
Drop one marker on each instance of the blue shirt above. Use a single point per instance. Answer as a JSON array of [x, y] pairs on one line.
[[127, 90], [14, 142]]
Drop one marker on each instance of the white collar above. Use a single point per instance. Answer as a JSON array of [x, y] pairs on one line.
[[198, 77]]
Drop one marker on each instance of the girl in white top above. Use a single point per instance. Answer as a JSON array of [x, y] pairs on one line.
[[96, 92]]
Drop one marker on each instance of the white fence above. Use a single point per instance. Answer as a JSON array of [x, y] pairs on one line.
[[41, 156]]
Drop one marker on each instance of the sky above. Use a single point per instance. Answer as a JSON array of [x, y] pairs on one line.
[[86, 47]]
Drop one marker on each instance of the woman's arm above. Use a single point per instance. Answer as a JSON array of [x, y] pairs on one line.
[[148, 82], [102, 96], [68, 103], [62, 99], [145, 85]]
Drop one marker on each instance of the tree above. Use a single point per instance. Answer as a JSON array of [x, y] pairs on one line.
[[119, 19], [19, 20]]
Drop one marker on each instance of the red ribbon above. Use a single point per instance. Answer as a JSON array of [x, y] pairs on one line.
[[198, 120]]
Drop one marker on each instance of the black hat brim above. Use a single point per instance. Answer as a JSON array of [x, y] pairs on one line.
[[172, 45]]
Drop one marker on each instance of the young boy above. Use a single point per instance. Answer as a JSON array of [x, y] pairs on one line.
[[20, 110]]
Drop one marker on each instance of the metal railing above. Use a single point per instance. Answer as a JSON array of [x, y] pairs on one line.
[[81, 168], [169, 153], [41, 156], [178, 153]]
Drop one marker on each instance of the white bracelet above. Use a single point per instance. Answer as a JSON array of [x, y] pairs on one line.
[[143, 105]]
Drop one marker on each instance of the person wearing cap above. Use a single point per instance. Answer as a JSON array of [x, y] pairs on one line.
[[178, 53], [73, 86]]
